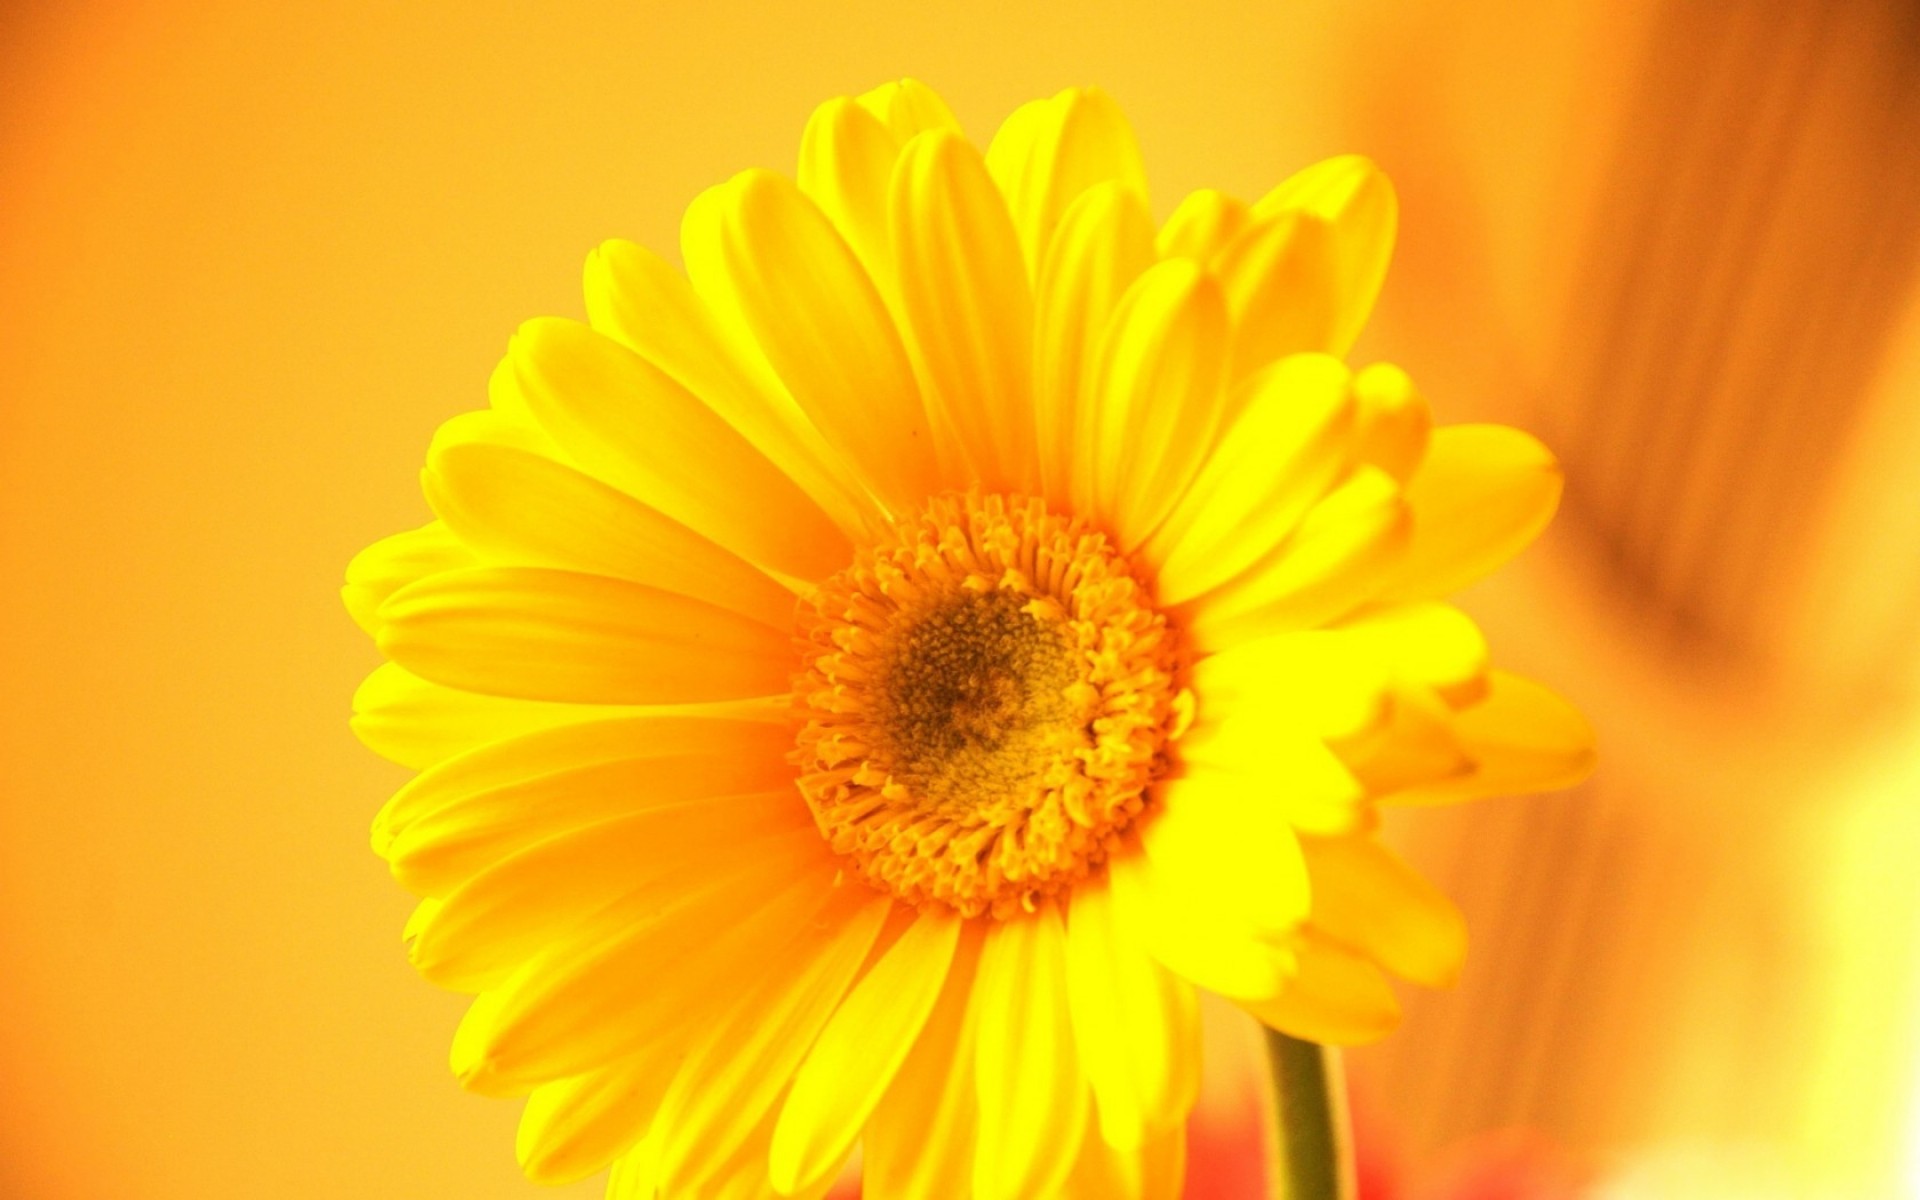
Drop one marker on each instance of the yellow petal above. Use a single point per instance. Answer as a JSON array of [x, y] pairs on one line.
[[649, 306], [574, 1127], [1312, 788], [1287, 444], [522, 509], [469, 812], [636, 1174], [393, 562], [1482, 494], [1229, 847], [577, 1006], [1322, 682], [1103, 242], [860, 1050], [1206, 222], [400, 716], [1280, 276], [736, 1075], [557, 635], [515, 756], [1520, 738], [1415, 747], [1158, 400], [1155, 1171], [846, 167], [1395, 420], [589, 879], [967, 302], [494, 427], [738, 1172], [632, 425], [919, 1144], [772, 265], [1435, 645], [1264, 708], [1210, 949], [908, 107], [1136, 1024], [1338, 998], [1341, 555], [1050, 151], [1033, 1098], [1356, 200], [1368, 899]]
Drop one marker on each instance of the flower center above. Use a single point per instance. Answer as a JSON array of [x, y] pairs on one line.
[[987, 694]]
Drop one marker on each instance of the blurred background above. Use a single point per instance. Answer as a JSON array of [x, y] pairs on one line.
[[250, 256]]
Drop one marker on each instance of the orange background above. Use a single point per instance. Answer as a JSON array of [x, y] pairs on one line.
[[250, 256]]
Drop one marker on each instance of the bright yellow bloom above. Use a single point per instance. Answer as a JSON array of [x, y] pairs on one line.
[[864, 684]]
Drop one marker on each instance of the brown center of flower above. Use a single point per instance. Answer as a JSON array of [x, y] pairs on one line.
[[987, 694]]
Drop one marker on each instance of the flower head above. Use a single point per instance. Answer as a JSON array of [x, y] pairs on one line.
[[862, 685]]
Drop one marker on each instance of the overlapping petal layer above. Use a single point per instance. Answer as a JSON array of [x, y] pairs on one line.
[[593, 659]]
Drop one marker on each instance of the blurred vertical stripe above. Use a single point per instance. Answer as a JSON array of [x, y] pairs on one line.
[[1713, 943]]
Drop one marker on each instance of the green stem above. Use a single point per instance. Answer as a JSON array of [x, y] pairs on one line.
[[1309, 1093]]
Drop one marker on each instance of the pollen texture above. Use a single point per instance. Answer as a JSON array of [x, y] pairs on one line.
[[987, 696]]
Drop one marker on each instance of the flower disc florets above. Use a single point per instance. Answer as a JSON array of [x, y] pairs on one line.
[[987, 694]]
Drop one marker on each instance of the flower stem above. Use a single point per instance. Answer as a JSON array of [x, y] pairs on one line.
[[1315, 1149]]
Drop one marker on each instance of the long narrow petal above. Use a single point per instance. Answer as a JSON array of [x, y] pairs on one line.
[[1343, 553], [466, 814], [1432, 644], [1367, 898], [631, 424], [1204, 224], [1050, 151], [1102, 244], [1417, 747], [966, 298], [771, 262], [1482, 494], [1521, 738], [908, 107], [1033, 1097], [589, 878], [511, 759], [1338, 997], [919, 1144], [846, 167], [557, 635], [523, 509], [738, 1171], [1395, 420], [574, 1127], [1319, 681], [1159, 399], [577, 1006], [636, 1173], [1137, 1025], [738, 1073], [509, 426], [1287, 444], [1281, 279], [648, 305], [417, 723], [1154, 1171], [1357, 202], [396, 561], [860, 1050]]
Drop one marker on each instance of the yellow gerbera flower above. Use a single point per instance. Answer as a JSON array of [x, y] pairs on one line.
[[864, 684]]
